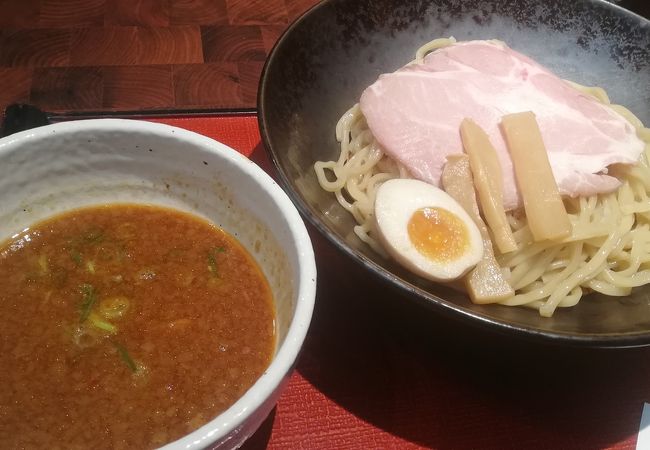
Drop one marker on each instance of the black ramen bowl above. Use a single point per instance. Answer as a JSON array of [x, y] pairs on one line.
[[320, 66]]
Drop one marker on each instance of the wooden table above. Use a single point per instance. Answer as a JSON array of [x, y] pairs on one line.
[[124, 55]]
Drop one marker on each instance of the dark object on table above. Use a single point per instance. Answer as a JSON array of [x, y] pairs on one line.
[[321, 65], [20, 117]]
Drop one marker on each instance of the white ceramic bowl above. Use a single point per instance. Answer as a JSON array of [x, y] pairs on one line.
[[59, 167]]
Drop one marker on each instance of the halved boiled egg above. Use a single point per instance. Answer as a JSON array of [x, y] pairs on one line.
[[426, 230]]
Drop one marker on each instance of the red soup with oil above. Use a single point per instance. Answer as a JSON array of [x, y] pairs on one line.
[[126, 326]]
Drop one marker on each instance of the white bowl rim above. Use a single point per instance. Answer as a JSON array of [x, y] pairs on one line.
[[287, 353]]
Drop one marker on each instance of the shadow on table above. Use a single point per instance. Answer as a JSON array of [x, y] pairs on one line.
[[441, 384], [261, 437]]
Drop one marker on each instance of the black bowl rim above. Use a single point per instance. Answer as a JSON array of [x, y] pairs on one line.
[[428, 300]]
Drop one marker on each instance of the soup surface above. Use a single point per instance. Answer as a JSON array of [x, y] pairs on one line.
[[126, 326]]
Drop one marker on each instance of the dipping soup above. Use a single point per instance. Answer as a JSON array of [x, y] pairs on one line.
[[126, 326]]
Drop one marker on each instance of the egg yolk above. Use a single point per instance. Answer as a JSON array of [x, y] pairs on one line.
[[438, 234]]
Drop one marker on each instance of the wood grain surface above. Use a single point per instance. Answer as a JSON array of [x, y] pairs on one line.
[[131, 55]]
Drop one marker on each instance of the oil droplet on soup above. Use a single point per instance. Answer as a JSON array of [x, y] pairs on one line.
[[121, 326]]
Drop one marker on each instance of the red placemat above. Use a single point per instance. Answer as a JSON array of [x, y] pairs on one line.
[[239, 132], [379, 372]]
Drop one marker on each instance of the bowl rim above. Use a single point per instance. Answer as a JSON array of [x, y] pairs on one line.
[[421, 296], [305, 285]]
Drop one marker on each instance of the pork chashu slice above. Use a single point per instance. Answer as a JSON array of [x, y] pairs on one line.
[[415, 114]]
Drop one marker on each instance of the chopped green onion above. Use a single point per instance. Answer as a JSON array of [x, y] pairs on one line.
[[90, 237], [42, 263], [111, 251], [100, 323], [89, 298], [212, 260], [76, 257], [114, 307], [125, 356], [93, 236]]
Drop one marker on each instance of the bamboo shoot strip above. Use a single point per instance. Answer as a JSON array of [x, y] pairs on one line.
[[545, 211], [485, 283], [488, 181]]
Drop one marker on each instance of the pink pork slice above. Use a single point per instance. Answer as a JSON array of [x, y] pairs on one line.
[[415, 115]]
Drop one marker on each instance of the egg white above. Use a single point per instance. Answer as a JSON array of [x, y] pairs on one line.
[[396, 201]]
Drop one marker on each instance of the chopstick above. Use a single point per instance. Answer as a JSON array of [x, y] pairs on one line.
[[21, 117]]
